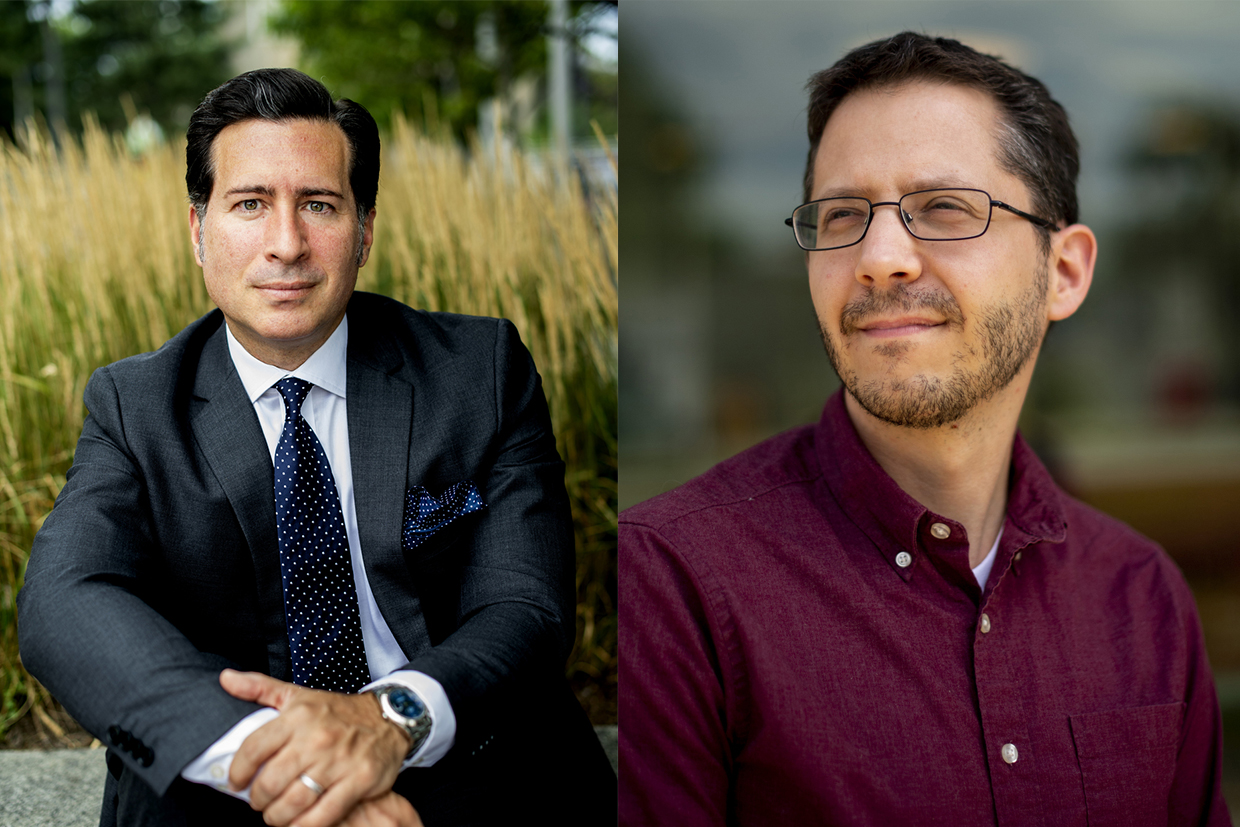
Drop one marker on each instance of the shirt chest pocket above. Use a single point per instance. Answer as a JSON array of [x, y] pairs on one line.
[[1127, 761]]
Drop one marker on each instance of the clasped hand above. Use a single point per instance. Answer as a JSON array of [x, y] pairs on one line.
[[341, 741]]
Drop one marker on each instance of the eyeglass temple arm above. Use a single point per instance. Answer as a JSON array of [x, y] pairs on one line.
[[1041, 222]]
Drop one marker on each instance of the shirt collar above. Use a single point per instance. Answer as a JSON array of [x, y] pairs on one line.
[[325, 368], [895, 522]]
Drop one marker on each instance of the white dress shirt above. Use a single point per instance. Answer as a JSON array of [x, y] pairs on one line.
[[325, 410]]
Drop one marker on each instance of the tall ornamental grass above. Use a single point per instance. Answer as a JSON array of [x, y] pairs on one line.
[[95, 265]]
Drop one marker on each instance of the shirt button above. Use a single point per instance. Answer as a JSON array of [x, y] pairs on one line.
[[1009, 753], [904, 559], [1018, 555], [985, 627], [940, 531], [217, 772]]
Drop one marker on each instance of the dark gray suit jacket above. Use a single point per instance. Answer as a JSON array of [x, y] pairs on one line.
[[159, 564]]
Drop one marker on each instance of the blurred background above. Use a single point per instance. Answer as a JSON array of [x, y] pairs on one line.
[[1135, 405], [498, 196]]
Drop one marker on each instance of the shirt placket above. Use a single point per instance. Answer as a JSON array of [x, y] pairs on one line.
[[1011, 754]]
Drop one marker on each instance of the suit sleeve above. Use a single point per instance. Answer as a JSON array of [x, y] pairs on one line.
[[514, 620], [86, 629]]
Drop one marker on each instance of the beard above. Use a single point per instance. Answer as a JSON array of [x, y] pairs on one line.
[[1009, 335]]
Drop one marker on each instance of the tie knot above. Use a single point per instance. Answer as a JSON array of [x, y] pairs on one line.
[[294, 391]]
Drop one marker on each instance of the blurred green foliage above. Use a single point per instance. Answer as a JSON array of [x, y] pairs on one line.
[[163, 55], [437, 61], [20, 49], [109, 56], [399, 56]]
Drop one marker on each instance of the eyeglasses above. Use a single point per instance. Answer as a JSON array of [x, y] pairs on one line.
[[930, 215]]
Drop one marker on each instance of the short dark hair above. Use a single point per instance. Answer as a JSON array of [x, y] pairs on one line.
[[1036, 144], [280, 95]]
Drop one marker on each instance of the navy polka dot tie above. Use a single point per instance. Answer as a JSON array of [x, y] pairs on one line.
[[320, 601]]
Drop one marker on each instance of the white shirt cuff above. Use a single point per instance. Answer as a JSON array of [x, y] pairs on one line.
[[443, 721], [211, 768]]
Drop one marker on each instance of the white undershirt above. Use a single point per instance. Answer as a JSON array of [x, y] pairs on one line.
[[325, 410], [982, 570]]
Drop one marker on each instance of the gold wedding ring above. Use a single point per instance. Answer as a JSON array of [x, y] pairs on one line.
[[314, 786]]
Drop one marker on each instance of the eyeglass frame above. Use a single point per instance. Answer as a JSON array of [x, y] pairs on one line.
[[1036, 220]]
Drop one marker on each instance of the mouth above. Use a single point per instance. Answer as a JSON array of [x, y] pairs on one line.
[[901, 326], [285, 290]]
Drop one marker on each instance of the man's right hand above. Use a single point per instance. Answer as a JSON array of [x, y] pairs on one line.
[[388, 810]]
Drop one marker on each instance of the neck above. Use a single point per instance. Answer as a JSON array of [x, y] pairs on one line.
[[285, 355], [959, 470]]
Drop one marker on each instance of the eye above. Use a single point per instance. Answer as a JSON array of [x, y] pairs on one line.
[[946, 205], [319, 207], [841, 215], [249, 204]]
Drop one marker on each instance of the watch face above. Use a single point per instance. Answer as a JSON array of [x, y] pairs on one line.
[[406, 703]]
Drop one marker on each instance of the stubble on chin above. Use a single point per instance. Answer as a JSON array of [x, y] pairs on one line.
[[1008, 336]]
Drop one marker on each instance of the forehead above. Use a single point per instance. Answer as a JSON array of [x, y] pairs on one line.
[[295, 153], [889, 140]]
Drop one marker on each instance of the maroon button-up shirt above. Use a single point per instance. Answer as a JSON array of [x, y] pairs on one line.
[[781, 667]]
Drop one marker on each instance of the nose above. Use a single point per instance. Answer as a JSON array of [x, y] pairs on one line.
[[285, 239], [888, 251]]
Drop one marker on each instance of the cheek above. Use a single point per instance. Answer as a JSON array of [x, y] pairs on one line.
[[828, 289], [219, 277], [229, 243], [336, 246]]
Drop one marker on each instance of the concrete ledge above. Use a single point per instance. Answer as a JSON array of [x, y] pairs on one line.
[[57, 788], [64, 787]]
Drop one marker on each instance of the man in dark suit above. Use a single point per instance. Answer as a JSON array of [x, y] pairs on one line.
[[315, 551]]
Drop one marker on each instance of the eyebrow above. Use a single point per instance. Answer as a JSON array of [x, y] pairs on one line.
[[913, 186], [305, 192]]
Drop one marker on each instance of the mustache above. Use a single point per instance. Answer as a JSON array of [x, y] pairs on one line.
[[901, 298]]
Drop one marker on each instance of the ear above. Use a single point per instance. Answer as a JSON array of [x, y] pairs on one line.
[[1070, 270], [195, 234], [368, 238]]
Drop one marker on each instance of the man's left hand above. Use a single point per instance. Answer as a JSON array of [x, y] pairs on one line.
[[389, 810], [340, 741]]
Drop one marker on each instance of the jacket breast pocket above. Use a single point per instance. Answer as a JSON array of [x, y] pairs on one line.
[[432, 524], [1127, 762]]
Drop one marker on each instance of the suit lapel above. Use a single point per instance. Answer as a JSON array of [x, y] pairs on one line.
[[227, 432], [380, 406]]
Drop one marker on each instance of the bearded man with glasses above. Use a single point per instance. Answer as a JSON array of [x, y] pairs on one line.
[[895, 616]]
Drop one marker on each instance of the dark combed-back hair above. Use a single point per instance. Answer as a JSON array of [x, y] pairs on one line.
[[1036, 143], [280, 95]]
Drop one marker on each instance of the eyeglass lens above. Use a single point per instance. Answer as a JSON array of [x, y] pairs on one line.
[[934, 215]]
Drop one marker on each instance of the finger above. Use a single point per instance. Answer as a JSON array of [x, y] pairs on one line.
[[363, 815], [257, 749], [278, 775], [337, 802], [281, 755], [257, 687], [393, 810], [400, 812], [293, 800], [389, 810]]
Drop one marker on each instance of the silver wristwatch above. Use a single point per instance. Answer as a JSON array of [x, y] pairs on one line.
[[403, 707]]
